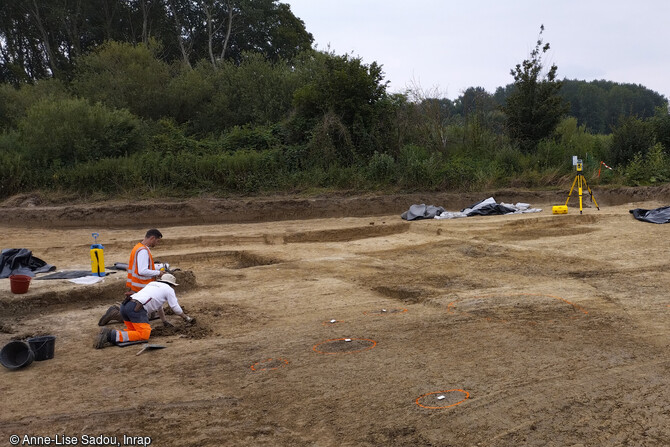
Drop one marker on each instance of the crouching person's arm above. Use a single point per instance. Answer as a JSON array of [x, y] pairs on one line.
[[161, 315]]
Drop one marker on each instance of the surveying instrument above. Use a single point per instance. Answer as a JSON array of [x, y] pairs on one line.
[[580, 180]]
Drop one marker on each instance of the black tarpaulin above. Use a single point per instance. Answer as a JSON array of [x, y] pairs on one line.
[[20, 261], [488, 207], [657, 216]]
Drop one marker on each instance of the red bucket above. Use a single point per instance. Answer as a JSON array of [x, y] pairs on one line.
[[19, 283]]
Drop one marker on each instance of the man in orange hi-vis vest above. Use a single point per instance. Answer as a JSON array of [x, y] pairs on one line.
[[141, 271], [141, 267]]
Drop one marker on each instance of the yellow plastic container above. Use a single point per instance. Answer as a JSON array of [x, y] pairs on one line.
[[97, 258], [559, 209], [97, 261]]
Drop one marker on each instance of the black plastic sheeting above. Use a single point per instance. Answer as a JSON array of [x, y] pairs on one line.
[[20, 261], [657, 216], [71, 274], [67, 274], [485, 208]]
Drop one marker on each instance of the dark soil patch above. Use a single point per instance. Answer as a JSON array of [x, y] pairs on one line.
[[184, 330], [231, 259], [348, 234], [404, 294]]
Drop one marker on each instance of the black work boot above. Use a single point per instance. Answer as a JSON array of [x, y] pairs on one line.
[[112, 314], [105, 337]]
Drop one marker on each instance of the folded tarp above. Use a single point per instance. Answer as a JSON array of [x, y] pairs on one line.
[[422, 211], [489, 207], [20, 261], [657, 216]]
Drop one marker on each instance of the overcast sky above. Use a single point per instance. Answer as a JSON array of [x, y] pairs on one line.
[[448, 46]]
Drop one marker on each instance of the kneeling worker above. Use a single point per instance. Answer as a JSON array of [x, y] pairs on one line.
[[136, 308]]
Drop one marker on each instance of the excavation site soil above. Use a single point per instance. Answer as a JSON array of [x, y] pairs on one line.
[[330, 321]]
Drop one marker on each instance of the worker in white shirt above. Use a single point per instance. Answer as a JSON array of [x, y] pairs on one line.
[[136, 308]]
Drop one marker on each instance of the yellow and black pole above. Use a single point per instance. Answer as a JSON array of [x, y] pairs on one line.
[[581, 182]]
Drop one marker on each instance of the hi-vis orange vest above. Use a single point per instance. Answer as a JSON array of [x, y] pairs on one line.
[[135, 281]]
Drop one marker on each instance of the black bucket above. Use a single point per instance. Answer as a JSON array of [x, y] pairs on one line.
[[16, 354], [43, 347]]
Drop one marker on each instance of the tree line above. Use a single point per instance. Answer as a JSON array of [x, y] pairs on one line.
[[245, 105], [598, 105], [44, 38]]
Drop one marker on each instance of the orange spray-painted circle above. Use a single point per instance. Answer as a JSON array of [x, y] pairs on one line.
[[439, 393], [269, 364], [344, 345]]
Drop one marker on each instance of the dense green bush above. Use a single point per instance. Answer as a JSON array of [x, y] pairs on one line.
[[16, 172], [660, 123], [461, 173], [381, 168], [166, 136], [341, 89], [251, 138], [509, 160], [181, 173], [55, 132], [631, 136], [419, 169], [15, 102], [251, 93], [124, 76], [650, 168]]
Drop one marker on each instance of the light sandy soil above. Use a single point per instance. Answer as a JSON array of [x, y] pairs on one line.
[[531, 329]]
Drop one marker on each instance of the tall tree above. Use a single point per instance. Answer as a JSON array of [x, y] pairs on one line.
[[185, 25], [534, 107], [343, 98], [259, 26], [42, 38]]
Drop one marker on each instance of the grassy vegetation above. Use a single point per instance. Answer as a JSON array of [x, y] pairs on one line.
[[320, 123]]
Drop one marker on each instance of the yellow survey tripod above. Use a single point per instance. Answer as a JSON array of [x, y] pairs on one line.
[[580, 180]]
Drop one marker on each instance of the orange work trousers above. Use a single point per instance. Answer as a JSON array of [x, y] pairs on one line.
[[133, 332]]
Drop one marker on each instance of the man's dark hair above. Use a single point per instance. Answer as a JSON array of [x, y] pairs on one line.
[[154, 232]]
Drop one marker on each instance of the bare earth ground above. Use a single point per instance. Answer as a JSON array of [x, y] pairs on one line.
[[532, 329]]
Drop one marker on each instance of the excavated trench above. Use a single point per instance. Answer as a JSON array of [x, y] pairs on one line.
[[109, 291]]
